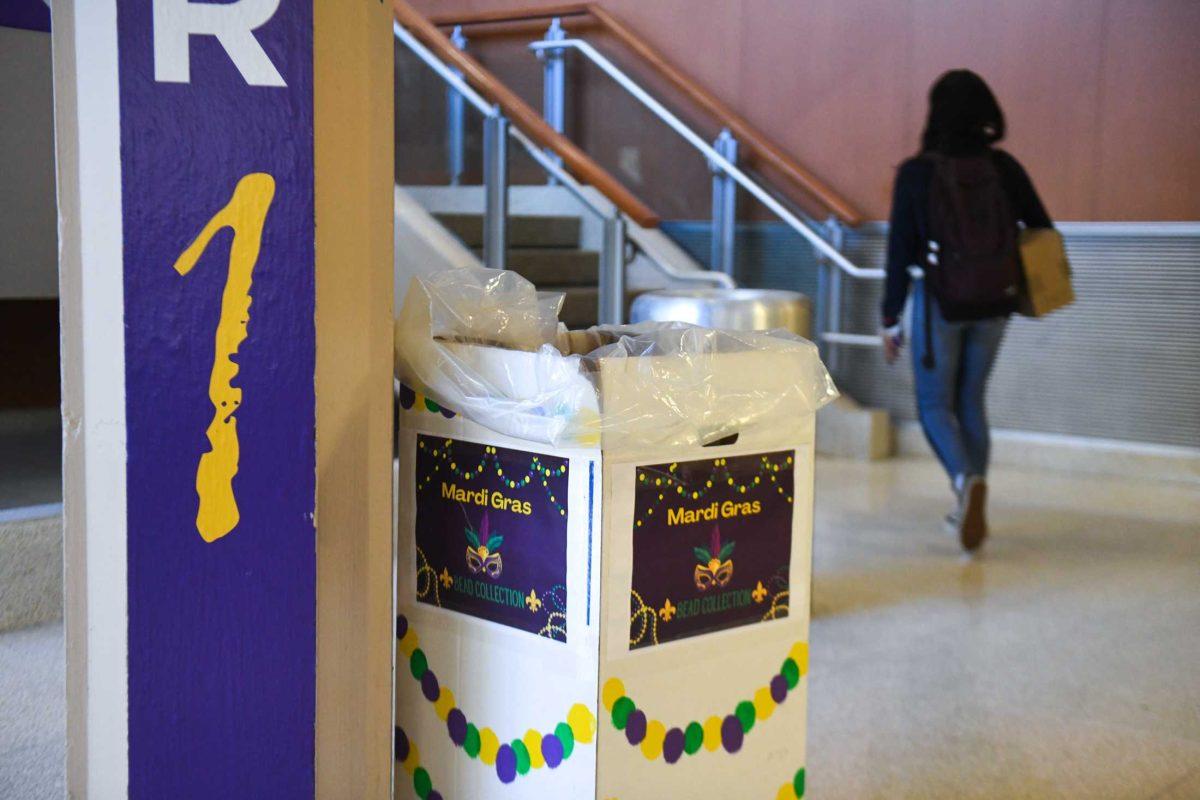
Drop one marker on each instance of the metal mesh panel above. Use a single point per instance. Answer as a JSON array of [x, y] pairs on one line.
[[1122, 363]]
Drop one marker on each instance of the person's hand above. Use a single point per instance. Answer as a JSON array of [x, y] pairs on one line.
[[892, 342]]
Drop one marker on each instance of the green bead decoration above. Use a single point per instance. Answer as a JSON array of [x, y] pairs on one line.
[[693, 738], [746, 715], [432, 406], [567, 737], [791, 673], [471, 743], [798, 783], [522, 753], [418, 663], [422, 783], [621, 711]]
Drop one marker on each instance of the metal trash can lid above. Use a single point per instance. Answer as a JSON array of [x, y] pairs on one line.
[[731, 309]]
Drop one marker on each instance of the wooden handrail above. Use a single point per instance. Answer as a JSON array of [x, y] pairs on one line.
[[520, 114], [758, 146], [510, 15]]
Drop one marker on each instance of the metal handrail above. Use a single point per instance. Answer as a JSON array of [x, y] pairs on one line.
[[614, 221], [714, 157], [456, 81], [458, 84], [519, 112]]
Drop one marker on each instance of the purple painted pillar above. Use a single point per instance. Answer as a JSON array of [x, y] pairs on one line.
[[203, 662]]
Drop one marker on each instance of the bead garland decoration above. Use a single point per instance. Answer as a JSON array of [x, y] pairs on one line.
[[409, 398], [655, 739], [668, 481], [410, 759], [534, 750], [491, 461], [793, 790]]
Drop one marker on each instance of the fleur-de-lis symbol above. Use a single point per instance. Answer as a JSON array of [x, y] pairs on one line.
[[445, 578], [533, 601], [667, 611], [760, 593]]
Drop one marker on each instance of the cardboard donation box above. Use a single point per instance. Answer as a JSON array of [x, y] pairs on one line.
[[603, 560]]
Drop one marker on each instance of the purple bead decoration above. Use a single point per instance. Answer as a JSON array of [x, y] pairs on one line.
[[401, 744], [635, 727], [456, 725], [407, 397], [779, 688], [434, 794], [732, 733], [429, 686], [401, 626], [506, 764], [673, 745], [552, 750]]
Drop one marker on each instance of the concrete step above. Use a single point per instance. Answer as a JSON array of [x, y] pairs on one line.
[[849, 430], [547, 266], [582, 305], [523, 231], [31, 568]]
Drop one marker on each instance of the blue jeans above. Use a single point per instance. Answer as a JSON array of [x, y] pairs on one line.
[[950, 395]]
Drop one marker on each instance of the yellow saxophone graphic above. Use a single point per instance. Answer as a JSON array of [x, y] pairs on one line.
[[245, 214]]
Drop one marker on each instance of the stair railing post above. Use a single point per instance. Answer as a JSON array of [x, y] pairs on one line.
[[554, 84], [724, 205], [612, 272], [455, 103], [495, 189], [821, 307], [833, 313]]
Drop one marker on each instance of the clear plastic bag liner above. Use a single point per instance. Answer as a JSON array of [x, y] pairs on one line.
[[486, 344], [489, 306]]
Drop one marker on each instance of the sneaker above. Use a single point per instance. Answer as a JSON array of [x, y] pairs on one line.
[[972, 519]]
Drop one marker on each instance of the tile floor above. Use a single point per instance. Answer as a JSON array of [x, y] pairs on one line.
[[1062, 663]]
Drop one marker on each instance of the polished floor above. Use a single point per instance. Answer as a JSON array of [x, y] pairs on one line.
[[33, 725], [1062, 662]]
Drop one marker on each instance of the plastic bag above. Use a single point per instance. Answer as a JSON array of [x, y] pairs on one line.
[[486, 344]]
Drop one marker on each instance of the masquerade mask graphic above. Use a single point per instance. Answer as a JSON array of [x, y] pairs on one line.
[[484, 556], [716, 566]]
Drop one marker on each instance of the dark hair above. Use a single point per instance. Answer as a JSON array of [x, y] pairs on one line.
[[963, 114]]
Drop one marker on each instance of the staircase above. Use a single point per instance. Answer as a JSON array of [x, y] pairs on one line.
[[584, 232], [547, 251], [552, 240]]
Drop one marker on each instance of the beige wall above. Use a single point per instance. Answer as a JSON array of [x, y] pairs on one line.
[[1102, 96]]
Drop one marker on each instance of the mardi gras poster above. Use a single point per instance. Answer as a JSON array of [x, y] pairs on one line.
[[491, 534], [712, 541]]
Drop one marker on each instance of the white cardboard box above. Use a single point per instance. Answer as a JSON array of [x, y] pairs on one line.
[[604, 551]]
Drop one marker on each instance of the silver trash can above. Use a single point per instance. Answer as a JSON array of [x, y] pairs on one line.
[[732, 309]]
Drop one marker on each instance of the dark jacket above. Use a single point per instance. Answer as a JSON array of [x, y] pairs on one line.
[[908, 231]]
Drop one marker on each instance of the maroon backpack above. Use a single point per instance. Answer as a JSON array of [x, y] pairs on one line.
[[974, 269]]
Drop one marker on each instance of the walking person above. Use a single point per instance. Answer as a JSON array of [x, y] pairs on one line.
[[957, 209]]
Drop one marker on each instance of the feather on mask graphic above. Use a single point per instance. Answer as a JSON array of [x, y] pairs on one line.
[[483, 550], [716, 566]]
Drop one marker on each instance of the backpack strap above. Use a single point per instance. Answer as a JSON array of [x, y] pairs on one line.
[[927, 359]]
